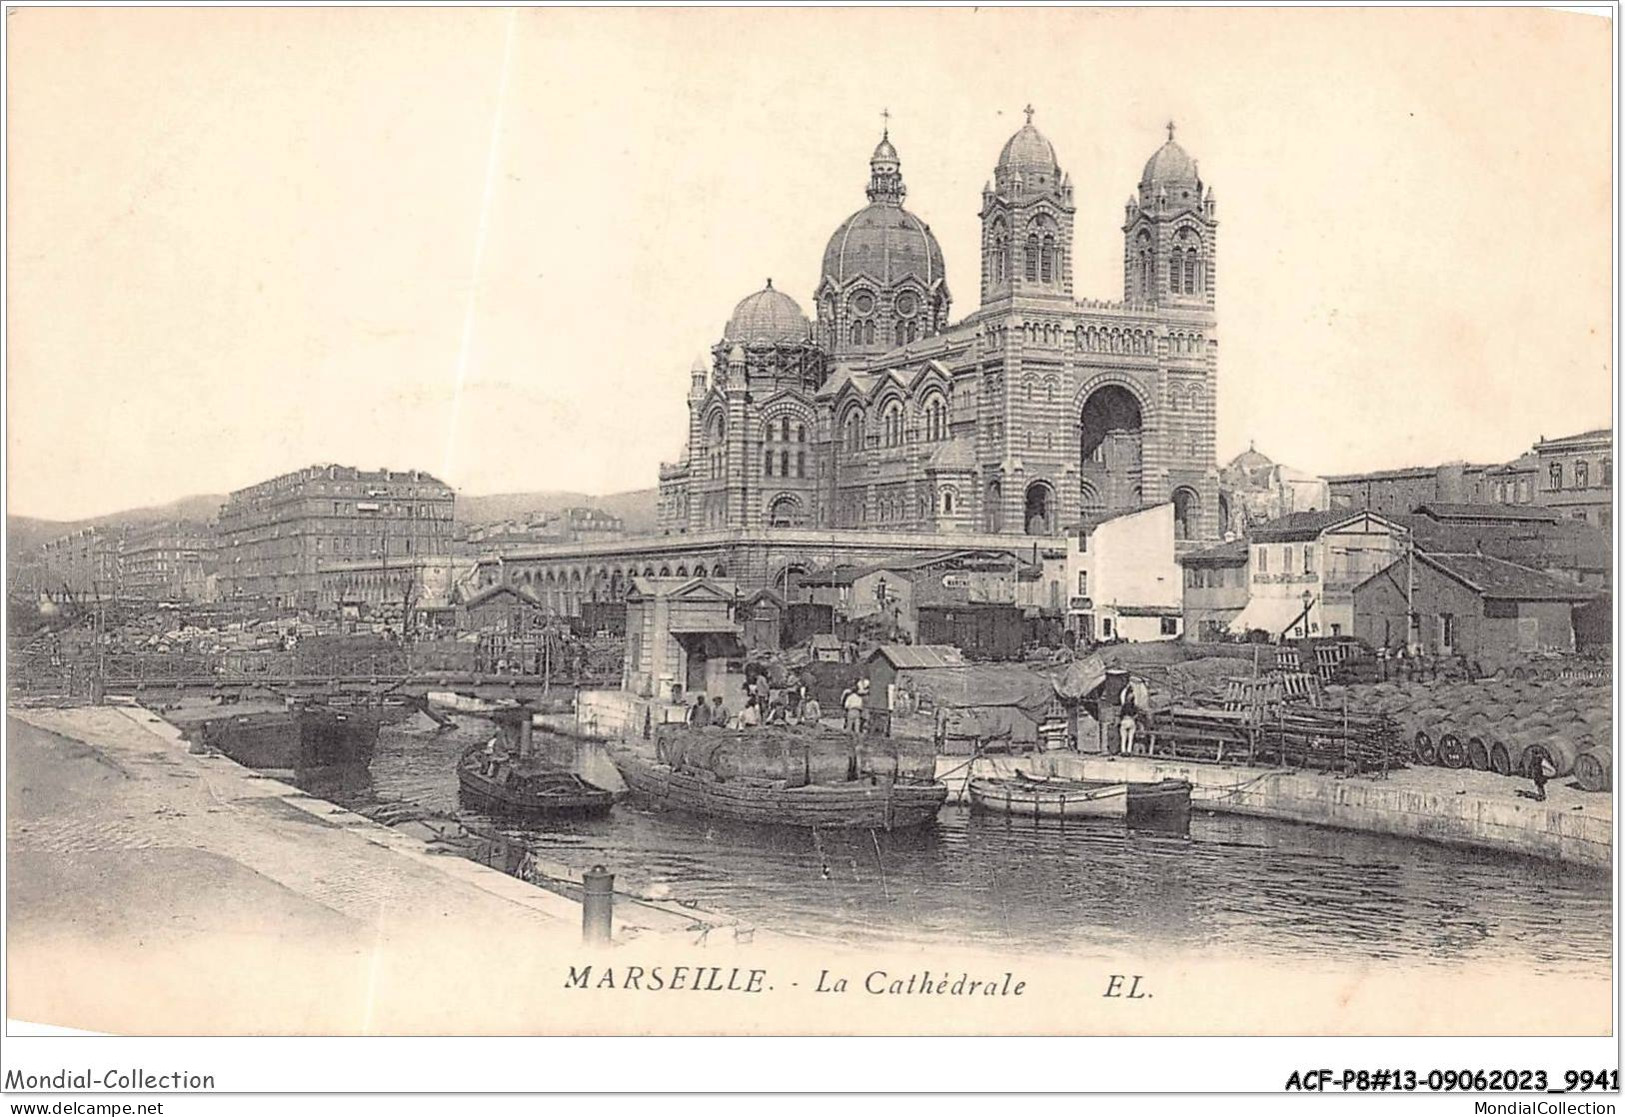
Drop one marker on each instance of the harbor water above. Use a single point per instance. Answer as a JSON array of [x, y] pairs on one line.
[[1252, 888]]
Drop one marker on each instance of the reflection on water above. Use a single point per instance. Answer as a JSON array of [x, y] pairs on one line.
[[1236, 885]]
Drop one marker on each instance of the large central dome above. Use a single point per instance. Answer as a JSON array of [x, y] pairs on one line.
[[882, 281], [886, 243], [883, 240]]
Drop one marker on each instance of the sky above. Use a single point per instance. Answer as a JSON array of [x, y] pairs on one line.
[[490, 243]]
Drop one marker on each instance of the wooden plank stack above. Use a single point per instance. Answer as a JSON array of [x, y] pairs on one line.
[[1340, 740], [1290, 734], [1204, 733]]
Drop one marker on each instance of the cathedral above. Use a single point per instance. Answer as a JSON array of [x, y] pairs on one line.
[[1037, 414]]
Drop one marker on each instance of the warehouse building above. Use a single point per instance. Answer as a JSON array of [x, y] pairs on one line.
[[1492, 611]]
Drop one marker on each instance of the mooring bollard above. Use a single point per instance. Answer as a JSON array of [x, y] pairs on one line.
[[597, 905]]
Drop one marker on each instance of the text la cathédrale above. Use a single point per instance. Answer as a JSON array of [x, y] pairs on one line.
[[881, 983]]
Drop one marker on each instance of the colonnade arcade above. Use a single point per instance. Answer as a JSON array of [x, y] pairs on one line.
[[564, 588]]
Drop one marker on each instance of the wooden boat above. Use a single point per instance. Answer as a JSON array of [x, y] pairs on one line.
[[273, 736], [1053, 797], [868, 803], [526, 785]]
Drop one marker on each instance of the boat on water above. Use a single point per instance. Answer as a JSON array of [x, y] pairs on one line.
[[869, 801], [1054, 797], [276, 736], [527, 785]]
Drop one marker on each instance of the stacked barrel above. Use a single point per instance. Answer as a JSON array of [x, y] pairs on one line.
[[1502, 725]]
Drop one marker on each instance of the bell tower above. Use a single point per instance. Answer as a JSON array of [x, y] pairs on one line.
[[1169, 233], [1027, 215]]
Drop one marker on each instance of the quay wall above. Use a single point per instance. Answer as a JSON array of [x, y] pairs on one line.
[[608, 714], [1427, 804], [1415, 803]]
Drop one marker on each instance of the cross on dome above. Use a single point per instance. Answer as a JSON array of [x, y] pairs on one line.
[[1170, 131], [885, 123], [1029, 111]]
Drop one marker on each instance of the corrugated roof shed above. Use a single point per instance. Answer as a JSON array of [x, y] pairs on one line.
[[916, 656], [1500, 580]]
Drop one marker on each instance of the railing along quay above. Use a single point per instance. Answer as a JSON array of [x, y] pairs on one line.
[[76, 675]]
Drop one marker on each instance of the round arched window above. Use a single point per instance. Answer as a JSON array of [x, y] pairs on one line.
[[863, 302]]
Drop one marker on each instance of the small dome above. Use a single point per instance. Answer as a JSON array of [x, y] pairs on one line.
[[766, 317], [1250, 459], [1170, 166], [885, 242], [884, 151], [1248, 469], [1027, 151], [700, 365]]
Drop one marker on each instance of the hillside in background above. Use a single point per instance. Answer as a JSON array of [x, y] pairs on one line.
[[637, 507], [25, 533]]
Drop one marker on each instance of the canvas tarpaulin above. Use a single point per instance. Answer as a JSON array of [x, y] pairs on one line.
[[980, 685], [982, 725], [1271, 614], [1081, 678]]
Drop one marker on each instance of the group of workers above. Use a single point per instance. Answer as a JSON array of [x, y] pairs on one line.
[[791, 703], [767, 706]]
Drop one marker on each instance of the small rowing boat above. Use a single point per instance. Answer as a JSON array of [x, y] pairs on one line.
[[527, 786], [1053, 797]]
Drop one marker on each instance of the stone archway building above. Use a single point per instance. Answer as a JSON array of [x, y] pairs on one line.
[[882, 414], [883, 426]]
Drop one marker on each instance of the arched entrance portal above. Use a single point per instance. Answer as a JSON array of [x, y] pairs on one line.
[[1110, 442], [1039, 517]]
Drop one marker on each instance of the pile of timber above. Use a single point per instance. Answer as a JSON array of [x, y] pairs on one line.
[[1289, 734], [1203, 733], [1341, 740]]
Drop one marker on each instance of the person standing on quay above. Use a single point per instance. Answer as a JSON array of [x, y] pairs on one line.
[[1127, 711], [852, 703], [1537, 773]]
